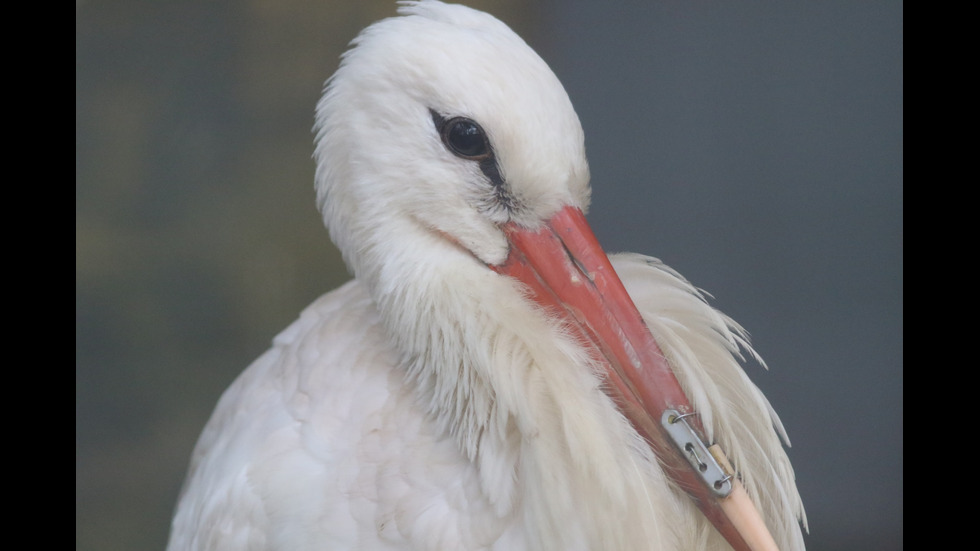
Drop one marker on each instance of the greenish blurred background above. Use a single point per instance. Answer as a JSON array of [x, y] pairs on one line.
[[756, 148]]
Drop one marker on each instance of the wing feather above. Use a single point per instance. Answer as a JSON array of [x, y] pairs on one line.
[[707, 350]]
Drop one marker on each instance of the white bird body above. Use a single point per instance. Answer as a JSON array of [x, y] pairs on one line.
[[429, 403]]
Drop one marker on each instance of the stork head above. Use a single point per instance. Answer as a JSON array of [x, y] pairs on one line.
[[445, 126], [448, 118]]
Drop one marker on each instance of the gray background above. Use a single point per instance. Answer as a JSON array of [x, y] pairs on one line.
[[756, 147]]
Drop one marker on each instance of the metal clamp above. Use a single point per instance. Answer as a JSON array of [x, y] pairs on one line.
[[696, 452]]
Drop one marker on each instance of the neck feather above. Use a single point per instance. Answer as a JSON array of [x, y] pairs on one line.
[[523, 402]]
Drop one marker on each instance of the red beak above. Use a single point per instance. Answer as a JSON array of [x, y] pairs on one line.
[[568, 273]]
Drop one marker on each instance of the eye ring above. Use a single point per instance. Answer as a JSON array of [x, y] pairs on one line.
[[465, 138]]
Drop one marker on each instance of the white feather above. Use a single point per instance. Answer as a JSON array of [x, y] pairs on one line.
[[428, 404]]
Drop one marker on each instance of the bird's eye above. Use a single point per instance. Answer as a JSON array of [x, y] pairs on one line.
[[465, 138]]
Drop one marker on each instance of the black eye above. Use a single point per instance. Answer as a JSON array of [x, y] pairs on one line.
[[465, 138]]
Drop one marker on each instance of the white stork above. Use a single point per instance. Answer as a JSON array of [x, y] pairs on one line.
[[485, 381]]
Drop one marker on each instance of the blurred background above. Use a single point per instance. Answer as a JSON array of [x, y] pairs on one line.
[[755, 147]]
